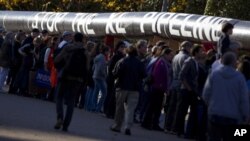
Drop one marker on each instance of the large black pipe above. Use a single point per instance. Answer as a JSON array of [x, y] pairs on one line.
[[170, 25]]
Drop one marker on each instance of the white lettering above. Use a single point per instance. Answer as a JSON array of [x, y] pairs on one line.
[[81, 22], [205, 24], [184, 32], [118, 24], [50, 22], [76, 18], [175, 22], [197, 28], [147, 19], [35, 20], [109, 25], [58, 19], [45, 18], [164, 21], [88, 22]]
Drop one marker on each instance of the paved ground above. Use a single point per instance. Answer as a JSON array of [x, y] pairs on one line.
[[27, 119]]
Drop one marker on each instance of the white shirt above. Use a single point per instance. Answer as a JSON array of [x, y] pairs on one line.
[[46, 56]]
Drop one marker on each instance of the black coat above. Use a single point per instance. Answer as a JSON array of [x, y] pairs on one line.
[[5, 58], [129, 73], [118, 56]]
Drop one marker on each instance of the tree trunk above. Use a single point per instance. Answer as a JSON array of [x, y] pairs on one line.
[[164, 6]]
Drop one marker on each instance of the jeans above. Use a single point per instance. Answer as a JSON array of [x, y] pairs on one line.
[[88, 105], [3, 75], [100, 85]]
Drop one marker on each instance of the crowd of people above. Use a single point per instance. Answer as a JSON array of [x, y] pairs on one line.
[[134, 82]]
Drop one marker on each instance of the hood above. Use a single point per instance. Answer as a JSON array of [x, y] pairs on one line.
[[227, 72], [99, 57]]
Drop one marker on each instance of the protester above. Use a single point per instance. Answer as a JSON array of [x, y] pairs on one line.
[[227, 98], [161, 83], [224, 40], [73, 60], [100, 76], [5, 58], [189, 88], [119, 53], [90, 85], [131, 70], [50, 66], [16, 61], [177, 64]]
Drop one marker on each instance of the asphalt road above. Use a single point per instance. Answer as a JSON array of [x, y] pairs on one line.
[[28, 119]]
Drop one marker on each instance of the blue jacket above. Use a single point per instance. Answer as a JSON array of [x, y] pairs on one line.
[[226, 94], [100, 67]]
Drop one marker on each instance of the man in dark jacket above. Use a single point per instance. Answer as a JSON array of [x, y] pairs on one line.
[[189, 88], [5, 58], [16, 60], [129, 73], [71, 78], [29, 40], [177, 64], [224, 40], [109, 105]]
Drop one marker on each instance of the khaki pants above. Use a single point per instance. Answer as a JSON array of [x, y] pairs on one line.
[[126, 102]]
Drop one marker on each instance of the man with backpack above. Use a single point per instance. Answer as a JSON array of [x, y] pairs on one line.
[[73, 61]]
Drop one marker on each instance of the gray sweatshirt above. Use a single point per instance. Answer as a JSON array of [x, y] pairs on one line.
[[226, 94]]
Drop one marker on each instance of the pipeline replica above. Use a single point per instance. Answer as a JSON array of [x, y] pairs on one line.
[[168, 25]]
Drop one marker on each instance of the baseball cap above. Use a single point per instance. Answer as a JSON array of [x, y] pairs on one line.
[[66, 33], [127, 44]]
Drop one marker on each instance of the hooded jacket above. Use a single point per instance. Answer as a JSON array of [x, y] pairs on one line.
[[64, 55], [100, 67], [226, 94]]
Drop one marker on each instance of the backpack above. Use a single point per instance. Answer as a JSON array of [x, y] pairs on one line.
[[76, 64]]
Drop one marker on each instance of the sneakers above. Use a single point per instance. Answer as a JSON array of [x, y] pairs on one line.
[[127, 132], [59, 124]]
